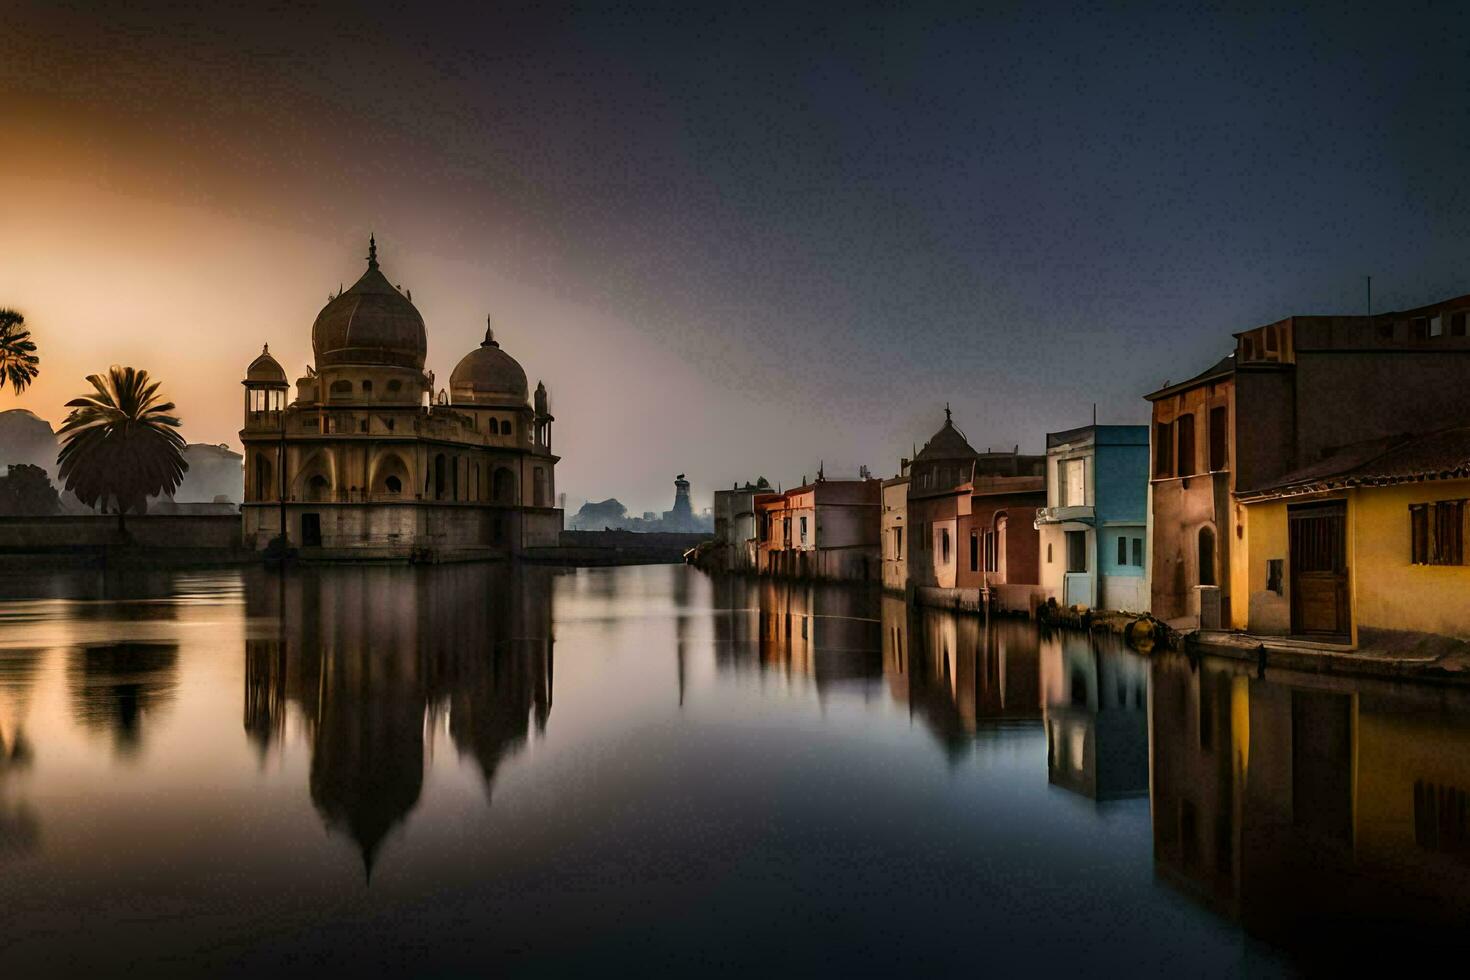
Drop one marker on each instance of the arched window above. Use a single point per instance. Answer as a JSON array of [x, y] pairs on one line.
[[317, 488], [394, 386], [505, 427], [341, 389], [393, 484], [494, 426], [264, 489], [1206, 556]]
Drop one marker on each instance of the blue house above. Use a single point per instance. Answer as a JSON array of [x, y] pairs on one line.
[[1093, 529]]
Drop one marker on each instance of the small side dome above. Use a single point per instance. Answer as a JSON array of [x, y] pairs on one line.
[[265, 370], [488, 376]]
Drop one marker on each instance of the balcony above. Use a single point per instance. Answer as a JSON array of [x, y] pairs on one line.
[[1063, 515]]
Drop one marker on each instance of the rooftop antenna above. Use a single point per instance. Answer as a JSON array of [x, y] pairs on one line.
[[1094, 413], [1370, 293]]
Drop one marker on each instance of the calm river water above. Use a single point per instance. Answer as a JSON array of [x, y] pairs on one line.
[[471, 769]]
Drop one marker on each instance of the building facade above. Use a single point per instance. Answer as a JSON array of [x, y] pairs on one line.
[[735, 527], [1191, 517], [828, 529], [894, 530], [971, 524], [1366, 547], [1301, 403], [1093, 528], [366, 461]]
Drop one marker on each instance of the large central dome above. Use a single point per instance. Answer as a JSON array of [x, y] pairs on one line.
[[371, 323]]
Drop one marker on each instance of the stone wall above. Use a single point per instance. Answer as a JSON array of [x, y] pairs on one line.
[[219, 533]]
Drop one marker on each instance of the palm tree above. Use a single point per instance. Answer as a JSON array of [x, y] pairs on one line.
[[120, 445], [19, 364]]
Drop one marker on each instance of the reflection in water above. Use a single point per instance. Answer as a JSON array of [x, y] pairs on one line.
[[957, 673], [1096, 716], [904, 773], [114, 688], [373, 659], [1306, 805], [20, 830], [824, 632], [964, 673]]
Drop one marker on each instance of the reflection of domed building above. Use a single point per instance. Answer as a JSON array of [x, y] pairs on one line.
[[378, 663], [376, 464]]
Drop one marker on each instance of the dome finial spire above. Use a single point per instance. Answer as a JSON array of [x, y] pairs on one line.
[[372, 251], [947, 416], [489, 332]]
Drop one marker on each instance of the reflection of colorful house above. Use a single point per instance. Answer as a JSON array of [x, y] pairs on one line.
[[826, 530], [1294, 800], [1096, 716], [1371, 539], [971, 515], [960, 673], [1093, 526]]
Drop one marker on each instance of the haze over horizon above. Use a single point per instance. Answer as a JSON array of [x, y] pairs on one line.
[[731, 243]]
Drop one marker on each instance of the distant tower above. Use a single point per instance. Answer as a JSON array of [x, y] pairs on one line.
[[682, 516]]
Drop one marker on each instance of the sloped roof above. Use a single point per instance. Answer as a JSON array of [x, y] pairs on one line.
[[1442, 455], [948, 443], [1221, 368]]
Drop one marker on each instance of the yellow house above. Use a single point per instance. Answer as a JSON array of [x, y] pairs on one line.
[[1364, 547]]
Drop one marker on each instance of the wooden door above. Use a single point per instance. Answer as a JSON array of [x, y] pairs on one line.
[[1319, 572]]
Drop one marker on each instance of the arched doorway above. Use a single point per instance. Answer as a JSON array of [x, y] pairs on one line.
[[1206, 555], [264, 485]]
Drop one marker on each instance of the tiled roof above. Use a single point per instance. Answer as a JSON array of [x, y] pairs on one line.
[[1442, 455]]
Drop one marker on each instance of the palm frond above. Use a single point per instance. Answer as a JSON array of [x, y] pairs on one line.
[[19, 364], [119, 445]]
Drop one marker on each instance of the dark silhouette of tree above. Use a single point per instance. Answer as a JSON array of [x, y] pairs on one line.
[[120, 444], [19, 364], [26, 490]]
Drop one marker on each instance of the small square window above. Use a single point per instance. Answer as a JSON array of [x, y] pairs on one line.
[[1138, 552], [1122, 551], [1275, 568]]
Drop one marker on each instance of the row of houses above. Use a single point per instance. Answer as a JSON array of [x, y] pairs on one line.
[[962, 528], [1312, 483]]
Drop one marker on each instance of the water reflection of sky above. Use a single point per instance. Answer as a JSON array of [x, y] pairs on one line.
[[464, 767]]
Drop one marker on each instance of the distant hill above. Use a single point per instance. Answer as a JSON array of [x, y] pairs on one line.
[[214, 471], [25, 437], [596, 515]]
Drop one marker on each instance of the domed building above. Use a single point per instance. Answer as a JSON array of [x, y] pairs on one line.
[[367, 461]]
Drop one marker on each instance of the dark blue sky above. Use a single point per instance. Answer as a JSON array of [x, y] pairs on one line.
[[806, 226]]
